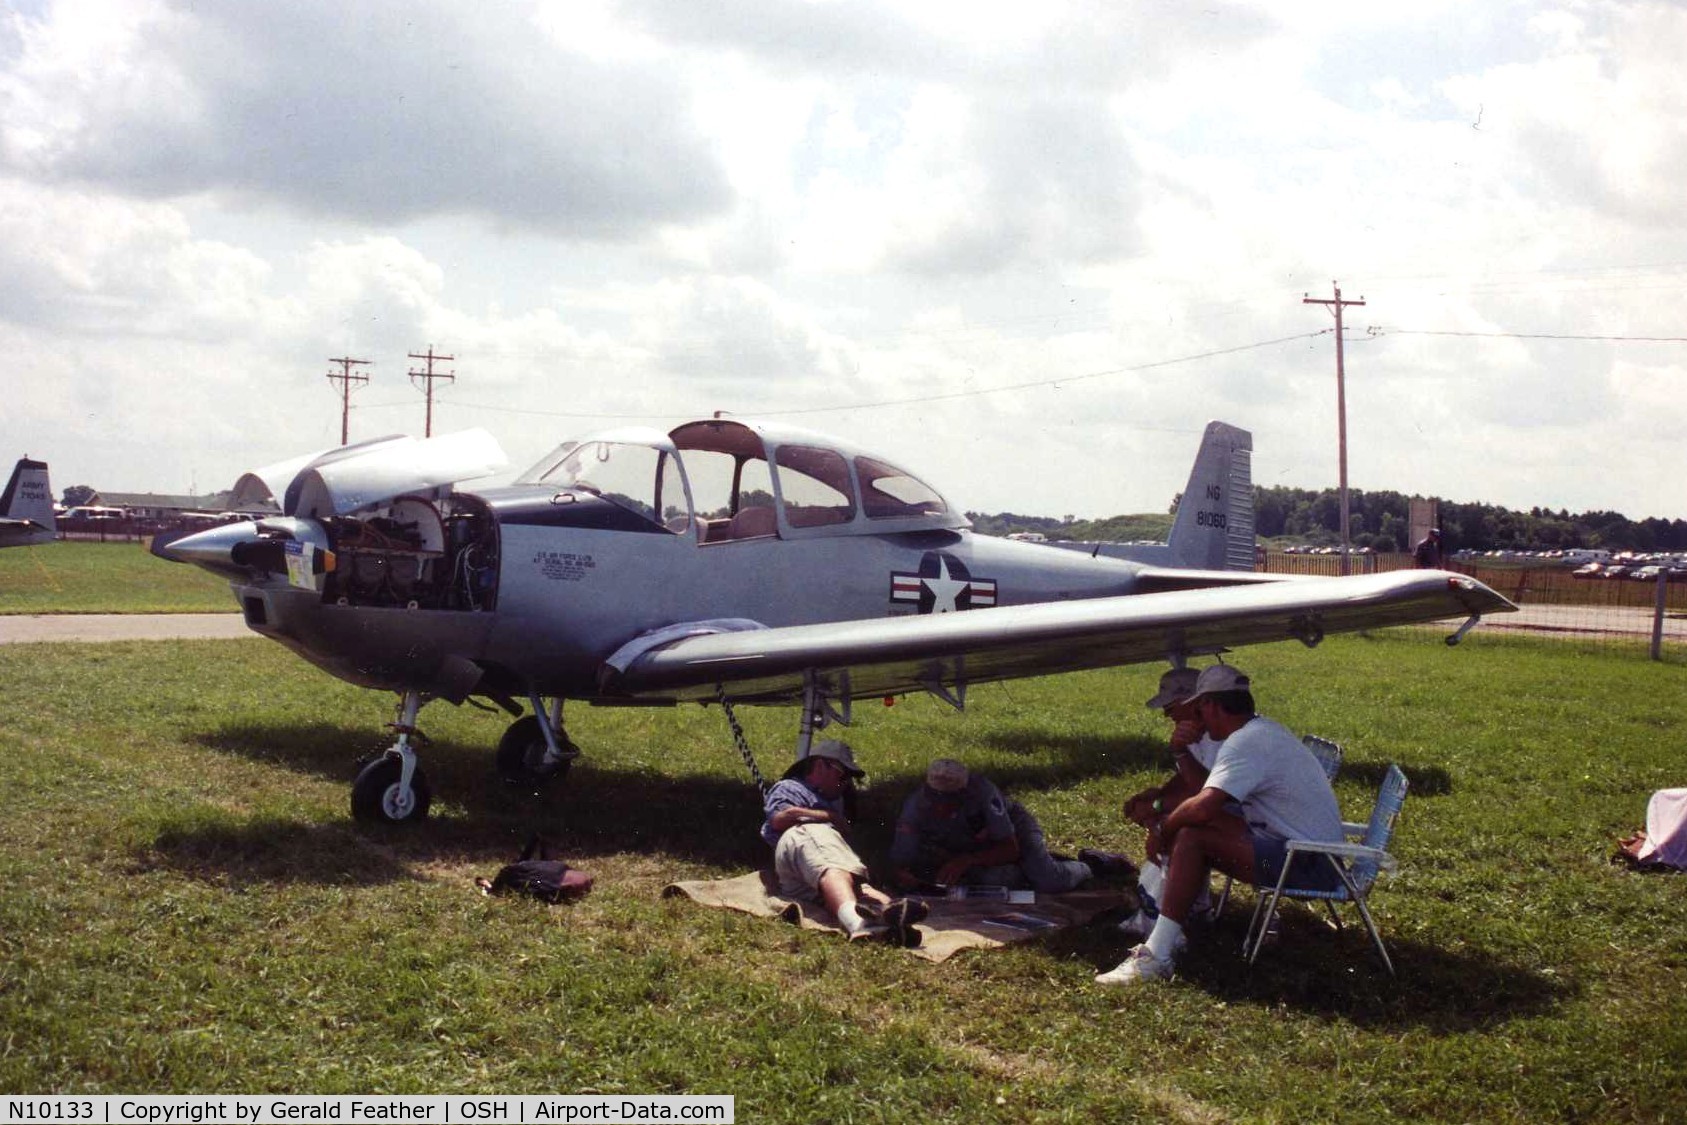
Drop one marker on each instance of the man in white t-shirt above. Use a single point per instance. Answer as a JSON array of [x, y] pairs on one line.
[[1284, 795]]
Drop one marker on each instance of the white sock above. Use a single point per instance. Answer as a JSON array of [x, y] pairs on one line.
[[851, 918], [1162, 940], [1151, 878]]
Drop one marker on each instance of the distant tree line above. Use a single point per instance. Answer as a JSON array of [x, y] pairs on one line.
[[1379, 520], [1113, 529]]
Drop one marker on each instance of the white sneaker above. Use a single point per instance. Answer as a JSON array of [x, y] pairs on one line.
[[1141, 965]]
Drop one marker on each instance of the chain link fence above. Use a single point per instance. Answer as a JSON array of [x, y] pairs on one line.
[[1647, 617]]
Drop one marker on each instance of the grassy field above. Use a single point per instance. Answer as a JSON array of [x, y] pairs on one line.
[[75, 577], [188, 908]]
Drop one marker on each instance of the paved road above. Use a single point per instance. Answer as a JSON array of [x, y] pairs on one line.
[[1587, 620], [19, 629]]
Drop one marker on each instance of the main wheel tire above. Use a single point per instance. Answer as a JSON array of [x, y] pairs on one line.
[[375, 794], [521, 754]]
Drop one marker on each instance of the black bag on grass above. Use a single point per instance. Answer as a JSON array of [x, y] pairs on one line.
[[537, 875]]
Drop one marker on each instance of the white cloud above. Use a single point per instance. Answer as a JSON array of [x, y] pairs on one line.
[[660, 208], [374, 114]]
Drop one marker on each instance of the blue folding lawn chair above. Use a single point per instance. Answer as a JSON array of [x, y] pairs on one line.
[[1356, 864]]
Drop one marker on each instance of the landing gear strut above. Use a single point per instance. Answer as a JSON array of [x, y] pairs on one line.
[[393, 788], [535, 748]]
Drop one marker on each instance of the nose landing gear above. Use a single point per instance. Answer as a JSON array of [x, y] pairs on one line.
[[392, 788]]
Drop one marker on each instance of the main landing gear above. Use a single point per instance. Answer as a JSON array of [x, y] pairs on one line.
[[393, 789], [535, 749]]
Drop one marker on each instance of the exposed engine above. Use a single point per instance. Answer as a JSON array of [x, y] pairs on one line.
[[417, 553]]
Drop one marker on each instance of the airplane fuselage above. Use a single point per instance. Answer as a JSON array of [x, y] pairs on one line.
[[565, 597]]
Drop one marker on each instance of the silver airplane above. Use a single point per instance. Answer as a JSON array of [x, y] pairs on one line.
[[26, 507], [730, 561]]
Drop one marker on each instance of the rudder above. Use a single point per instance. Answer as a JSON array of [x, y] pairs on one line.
[[29, 497], [1214, 528]]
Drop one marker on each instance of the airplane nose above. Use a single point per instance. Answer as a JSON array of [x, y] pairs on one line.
[[228, 550]]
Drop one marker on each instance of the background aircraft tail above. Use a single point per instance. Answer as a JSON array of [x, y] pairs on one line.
[[1214, 528], [28, 499]]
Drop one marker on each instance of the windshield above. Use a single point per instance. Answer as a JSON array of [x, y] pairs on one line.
[[637, 477], [888, 492]]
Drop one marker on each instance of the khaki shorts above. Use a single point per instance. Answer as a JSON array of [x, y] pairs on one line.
[[806, 852]]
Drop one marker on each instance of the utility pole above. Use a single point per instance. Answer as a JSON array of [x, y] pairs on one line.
[[430, 376], [346, 378], [1336, 306]]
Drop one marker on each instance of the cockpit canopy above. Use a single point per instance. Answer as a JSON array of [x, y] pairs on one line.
[[726, 480]]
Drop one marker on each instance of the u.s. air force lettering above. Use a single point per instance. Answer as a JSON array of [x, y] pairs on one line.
[[563, 566]]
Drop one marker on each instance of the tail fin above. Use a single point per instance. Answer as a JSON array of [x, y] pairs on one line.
[[1214, 528], [26, 507]]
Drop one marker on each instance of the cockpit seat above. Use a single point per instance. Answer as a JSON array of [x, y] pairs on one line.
[[751, 523]]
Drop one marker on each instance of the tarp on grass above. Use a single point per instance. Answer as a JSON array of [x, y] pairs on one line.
[[952, 926]]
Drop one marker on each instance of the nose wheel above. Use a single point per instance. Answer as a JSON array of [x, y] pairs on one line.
[[392, 789], [381, 794]]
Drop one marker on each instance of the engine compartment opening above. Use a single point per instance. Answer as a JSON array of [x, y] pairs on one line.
[[416, 552]]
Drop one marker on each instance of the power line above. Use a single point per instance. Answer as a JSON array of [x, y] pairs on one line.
[[1335, 306], [429, 376], [1379, 330], [1057, 382], [346, 378]]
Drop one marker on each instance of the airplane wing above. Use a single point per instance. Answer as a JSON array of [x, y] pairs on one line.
[[945, 652]]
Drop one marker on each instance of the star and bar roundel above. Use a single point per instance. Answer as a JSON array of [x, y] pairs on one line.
[[941, 585]]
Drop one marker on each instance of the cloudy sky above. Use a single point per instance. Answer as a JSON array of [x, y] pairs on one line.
[[1026, 250]]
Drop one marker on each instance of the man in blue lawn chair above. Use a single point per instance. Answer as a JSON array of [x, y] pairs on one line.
[[1284, 794]]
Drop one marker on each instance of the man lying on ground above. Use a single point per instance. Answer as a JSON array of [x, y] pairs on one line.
[[806, 825]]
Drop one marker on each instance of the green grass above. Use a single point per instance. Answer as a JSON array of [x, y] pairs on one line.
[[78, 577], [188, 908]]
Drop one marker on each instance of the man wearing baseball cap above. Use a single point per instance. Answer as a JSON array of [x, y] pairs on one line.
[[1284, 794], [806, 824], [1193, 753]]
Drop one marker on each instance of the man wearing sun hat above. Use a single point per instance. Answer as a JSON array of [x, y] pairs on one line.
[[1284, 794], [806, 823], [958, 829]]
